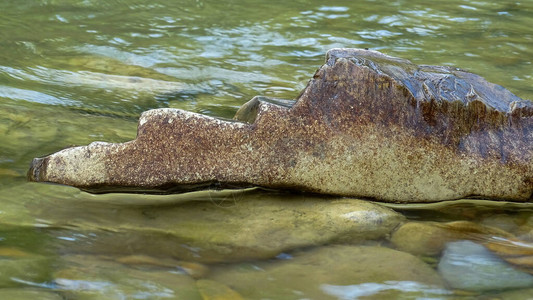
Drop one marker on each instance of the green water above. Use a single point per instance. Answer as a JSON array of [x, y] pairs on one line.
[[72, 72]]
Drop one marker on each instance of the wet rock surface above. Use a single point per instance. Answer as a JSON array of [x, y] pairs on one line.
[[366, 125]]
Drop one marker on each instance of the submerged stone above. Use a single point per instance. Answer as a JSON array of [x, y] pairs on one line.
[[25, 293], [367, 125], [236, 230], [430, 238], [19, 268], [90, 277], [193, 269], [469, 266], [519, 294], [516, 252], [212, 290], [335, 272], [421, 238]]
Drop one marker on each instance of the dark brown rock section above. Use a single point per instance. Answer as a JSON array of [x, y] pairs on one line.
[[367, 125]]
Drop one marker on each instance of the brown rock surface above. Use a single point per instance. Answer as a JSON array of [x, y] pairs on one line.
[[367, 125]]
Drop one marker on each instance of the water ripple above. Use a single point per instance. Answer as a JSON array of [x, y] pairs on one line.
[[33, 96]]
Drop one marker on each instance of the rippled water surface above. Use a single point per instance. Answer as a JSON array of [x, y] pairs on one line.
[[72, 72]]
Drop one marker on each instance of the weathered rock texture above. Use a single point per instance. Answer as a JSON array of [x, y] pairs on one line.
[[366, 125]]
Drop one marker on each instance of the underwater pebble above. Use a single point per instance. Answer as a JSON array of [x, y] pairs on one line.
[[333, 272], [213, 290], [502, 221], [421, 238], [387, 289], [20, 268], [92, 277], [195, 270], [466, 265], [28, 294]]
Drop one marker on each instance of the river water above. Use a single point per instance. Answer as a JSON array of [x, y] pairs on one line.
[[77, 71]]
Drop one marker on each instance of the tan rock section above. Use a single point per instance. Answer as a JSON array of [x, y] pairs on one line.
[[367, 125]]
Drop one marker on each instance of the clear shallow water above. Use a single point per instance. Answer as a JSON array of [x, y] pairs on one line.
[[72, 72]]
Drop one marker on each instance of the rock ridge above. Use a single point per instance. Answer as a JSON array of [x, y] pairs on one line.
[[367, 125]]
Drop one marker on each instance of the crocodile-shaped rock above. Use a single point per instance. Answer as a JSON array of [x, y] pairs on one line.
[[367, 125]]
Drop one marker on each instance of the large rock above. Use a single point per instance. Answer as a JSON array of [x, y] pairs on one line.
[[367, 125]]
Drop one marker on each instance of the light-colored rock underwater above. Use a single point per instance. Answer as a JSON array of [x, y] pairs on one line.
[[469, 266]]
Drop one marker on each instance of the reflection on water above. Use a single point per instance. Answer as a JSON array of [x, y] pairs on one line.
[[369, 289], [72, 72]]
